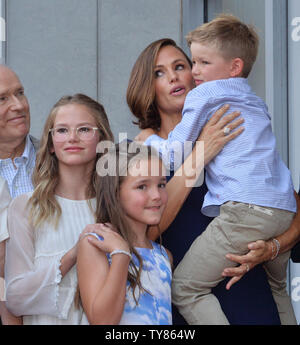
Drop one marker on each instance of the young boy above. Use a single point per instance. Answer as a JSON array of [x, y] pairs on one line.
[[250, 191]]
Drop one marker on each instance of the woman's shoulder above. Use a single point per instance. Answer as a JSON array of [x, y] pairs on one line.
[[144, 134]]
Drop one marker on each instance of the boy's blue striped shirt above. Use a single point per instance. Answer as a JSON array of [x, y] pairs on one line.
[[249, 168]]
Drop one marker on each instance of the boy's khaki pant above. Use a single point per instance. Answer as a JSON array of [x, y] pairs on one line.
[[201, 268]]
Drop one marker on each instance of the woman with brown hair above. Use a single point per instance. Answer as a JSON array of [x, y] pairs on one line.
[[159, 83], [46, 225]]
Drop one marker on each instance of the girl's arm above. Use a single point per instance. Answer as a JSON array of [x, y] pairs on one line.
[[102, 286], [261, 251], [186, 176]]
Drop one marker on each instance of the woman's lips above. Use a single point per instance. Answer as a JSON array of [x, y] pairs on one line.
[[178, 90]]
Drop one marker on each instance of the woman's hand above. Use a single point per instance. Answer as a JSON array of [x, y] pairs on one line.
[[213, 134], [260, 251], [109, 240]]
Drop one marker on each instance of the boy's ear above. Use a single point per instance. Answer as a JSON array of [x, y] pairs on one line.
[[237, 66]]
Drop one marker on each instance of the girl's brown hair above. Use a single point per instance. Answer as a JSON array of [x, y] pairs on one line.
[[44, 206], [121, 158], [141, 92]]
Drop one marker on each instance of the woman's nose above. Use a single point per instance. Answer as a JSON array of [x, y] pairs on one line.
[[173, 77]]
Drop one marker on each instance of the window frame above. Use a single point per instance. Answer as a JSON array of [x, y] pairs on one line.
[[3, 31]]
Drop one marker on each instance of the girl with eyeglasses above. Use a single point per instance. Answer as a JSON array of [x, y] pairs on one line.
[[45, 226]]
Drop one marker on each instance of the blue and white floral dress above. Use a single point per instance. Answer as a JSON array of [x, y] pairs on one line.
[[154, 304]]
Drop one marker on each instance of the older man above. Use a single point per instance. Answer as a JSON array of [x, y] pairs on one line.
[[17, 148], [17, 153]]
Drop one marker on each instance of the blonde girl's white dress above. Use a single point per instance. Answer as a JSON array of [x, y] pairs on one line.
[[35, 288]]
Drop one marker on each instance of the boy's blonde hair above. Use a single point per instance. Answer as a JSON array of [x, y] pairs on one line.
[[231, 37]]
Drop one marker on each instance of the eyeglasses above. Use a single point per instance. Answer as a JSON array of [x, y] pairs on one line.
[[61, 134]]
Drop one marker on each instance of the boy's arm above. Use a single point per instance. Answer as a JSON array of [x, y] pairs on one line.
[[181, 139]]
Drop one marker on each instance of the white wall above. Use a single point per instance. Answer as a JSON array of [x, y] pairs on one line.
[[66, 46], [125, 29], [2, 32]]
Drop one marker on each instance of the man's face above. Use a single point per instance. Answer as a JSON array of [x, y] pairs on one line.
[[14, 107]]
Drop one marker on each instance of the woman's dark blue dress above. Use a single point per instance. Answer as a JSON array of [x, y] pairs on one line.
[[249, 301]]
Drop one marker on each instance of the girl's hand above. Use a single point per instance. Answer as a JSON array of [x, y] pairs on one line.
[[74, 250], [70, 258], [213, 132], [260, 251], [109, 240]]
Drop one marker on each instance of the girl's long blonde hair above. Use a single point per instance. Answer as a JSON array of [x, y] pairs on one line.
[[43, 204]]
